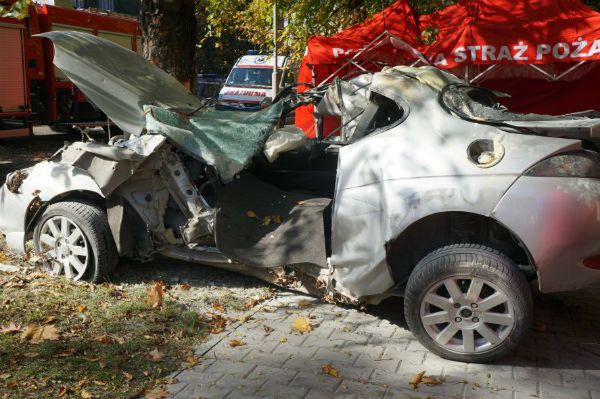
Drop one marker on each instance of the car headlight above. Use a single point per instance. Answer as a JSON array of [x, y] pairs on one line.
[[575, 164]]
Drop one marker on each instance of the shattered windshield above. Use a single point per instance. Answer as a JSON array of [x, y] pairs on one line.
[[224, 139], [250, 77]]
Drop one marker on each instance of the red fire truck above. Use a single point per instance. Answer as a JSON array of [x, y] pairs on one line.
[[32, 90]]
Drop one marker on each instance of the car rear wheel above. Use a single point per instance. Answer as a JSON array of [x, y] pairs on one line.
[[468, 303], [74, 240]]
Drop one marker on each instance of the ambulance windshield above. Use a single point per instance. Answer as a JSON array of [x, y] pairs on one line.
[[260, 77]]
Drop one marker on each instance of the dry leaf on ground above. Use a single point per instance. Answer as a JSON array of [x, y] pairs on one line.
[[155, 295], [416, 380], [421, 378], [85, 394], [191, 361], [36, 334], [236, 342], [301, 325], [127, 376], [62, 391], [330, 370], [268, 329], [156, 393], [217, 324], [217, 306], [11, 328], [155, 355], [185, 287], [105, 339]]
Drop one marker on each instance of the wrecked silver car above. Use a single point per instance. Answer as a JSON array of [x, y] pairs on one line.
[[431, 191]]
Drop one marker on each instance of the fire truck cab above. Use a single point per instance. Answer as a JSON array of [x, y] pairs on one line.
[[34, 92]]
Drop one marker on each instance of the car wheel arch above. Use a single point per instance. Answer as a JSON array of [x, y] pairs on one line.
[[405, 250], [35, 210]]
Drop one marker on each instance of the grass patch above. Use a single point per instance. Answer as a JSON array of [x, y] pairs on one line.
[[106, 336]]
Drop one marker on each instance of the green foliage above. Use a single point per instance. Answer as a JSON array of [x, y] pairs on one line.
[[232, 24], [18, 9]]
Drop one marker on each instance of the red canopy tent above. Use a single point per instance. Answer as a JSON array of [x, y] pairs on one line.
[[388, 38], [542, 52]]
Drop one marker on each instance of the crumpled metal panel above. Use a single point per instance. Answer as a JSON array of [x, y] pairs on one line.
[[392, 178], [119, 81]]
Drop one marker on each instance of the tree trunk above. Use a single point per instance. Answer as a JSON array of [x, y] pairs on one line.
[[170, 34]]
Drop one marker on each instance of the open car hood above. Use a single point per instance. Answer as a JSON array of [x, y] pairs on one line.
[[119, 81]]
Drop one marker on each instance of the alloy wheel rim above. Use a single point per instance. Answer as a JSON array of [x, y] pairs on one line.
[[467, 314], [64, 247]]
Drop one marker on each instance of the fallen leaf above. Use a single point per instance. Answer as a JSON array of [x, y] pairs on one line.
[[431, 380], [268, 329], [11, 328], [99, 383], [155, 295], [62, 391], [127, 376], [417, 378], [11, 384], [191, 361], [156, 393], [185, 287], [81, 308], [155, 355], [36, 334], [236, 342], [31, 355], [85, 394], [50, 320], [245, 318], [104, 339], [217, 324], [301, 325], [66, 353], [283, 340], [328, 369], [217, 306], [251, 214]]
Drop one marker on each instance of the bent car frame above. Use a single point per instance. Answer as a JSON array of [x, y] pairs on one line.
[[431, 191]]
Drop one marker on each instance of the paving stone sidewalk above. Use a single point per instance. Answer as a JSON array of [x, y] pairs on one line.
[[377, 356]]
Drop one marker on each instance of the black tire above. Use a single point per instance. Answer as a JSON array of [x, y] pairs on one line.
[[464, 263], [93, 223]]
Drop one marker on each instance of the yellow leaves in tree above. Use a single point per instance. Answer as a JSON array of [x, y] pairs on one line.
[[251, 214], [36, 334], [328, 369], [301, 325], [155, 295]]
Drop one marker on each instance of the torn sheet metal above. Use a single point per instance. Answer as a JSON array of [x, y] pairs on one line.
[[119, 81]]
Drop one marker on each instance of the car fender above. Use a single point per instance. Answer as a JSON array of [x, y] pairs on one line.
[[44, 182]]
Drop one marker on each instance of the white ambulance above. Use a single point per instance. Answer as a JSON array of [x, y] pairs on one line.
[[250, 82]]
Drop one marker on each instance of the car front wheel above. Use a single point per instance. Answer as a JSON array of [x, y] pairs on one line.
[[74, 240], [468, 303]]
